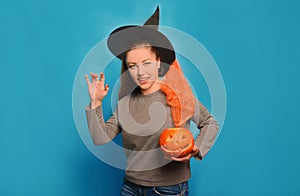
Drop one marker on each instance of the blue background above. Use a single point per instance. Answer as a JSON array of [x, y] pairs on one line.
[[255, 43]]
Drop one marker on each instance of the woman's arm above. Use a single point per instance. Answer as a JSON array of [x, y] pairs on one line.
[[101, 132], [208, 130]]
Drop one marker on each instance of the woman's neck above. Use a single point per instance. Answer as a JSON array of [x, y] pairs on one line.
[[155, 87]]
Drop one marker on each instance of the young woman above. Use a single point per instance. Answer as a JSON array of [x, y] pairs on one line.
[[145, 109]]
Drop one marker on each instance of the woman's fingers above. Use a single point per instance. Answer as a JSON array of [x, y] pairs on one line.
[[87, 79], [106, 87], [98, 84], [185, 158], [188, 156], [102, 77], [97, 88], [94, 77]]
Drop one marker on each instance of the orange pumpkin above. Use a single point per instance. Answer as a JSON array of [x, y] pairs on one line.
[[176, 142]]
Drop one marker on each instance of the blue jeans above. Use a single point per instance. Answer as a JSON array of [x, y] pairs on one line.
[[131, 189]]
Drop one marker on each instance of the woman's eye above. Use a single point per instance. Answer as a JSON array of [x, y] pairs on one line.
[[132, 66], [147, 63]]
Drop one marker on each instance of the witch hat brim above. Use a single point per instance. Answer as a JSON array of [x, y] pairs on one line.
[[122, 38]]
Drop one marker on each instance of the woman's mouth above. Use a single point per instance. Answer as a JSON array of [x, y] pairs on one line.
[[143, 80]]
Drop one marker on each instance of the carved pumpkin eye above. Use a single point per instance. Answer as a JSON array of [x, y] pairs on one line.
[[170, 138]]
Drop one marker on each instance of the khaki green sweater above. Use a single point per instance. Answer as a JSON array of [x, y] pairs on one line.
[[140, 119]]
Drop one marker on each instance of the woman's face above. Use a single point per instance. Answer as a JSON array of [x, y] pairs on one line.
[[143, 68]]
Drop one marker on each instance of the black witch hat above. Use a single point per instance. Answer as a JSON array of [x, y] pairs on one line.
[[122, 38]]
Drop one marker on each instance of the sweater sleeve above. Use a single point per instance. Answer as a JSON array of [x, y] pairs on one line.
[[208, 130], [100, 131]]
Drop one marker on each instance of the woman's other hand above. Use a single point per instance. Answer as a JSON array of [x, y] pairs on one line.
[[97, 89], [188, 156]]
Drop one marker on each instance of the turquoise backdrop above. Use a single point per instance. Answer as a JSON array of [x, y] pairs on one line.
[[255, 43]]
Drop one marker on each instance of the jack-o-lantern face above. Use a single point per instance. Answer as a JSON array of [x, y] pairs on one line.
[[176, 142]]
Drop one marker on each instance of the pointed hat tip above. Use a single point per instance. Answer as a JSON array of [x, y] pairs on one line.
[[156, 11], [154, 19]]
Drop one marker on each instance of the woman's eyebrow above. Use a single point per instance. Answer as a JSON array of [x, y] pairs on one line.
[[147, 59], [133, 63]]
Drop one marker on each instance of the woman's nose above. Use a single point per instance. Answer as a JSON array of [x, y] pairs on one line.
[[141, 70]]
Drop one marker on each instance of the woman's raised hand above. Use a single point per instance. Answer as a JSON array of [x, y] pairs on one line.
[[97, 88]]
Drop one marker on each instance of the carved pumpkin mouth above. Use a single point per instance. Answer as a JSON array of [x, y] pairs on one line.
[[176, 142]]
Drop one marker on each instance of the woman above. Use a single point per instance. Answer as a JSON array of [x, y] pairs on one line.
[[151, 78]]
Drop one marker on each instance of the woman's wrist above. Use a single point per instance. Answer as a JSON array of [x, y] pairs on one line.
[[95, 104]]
